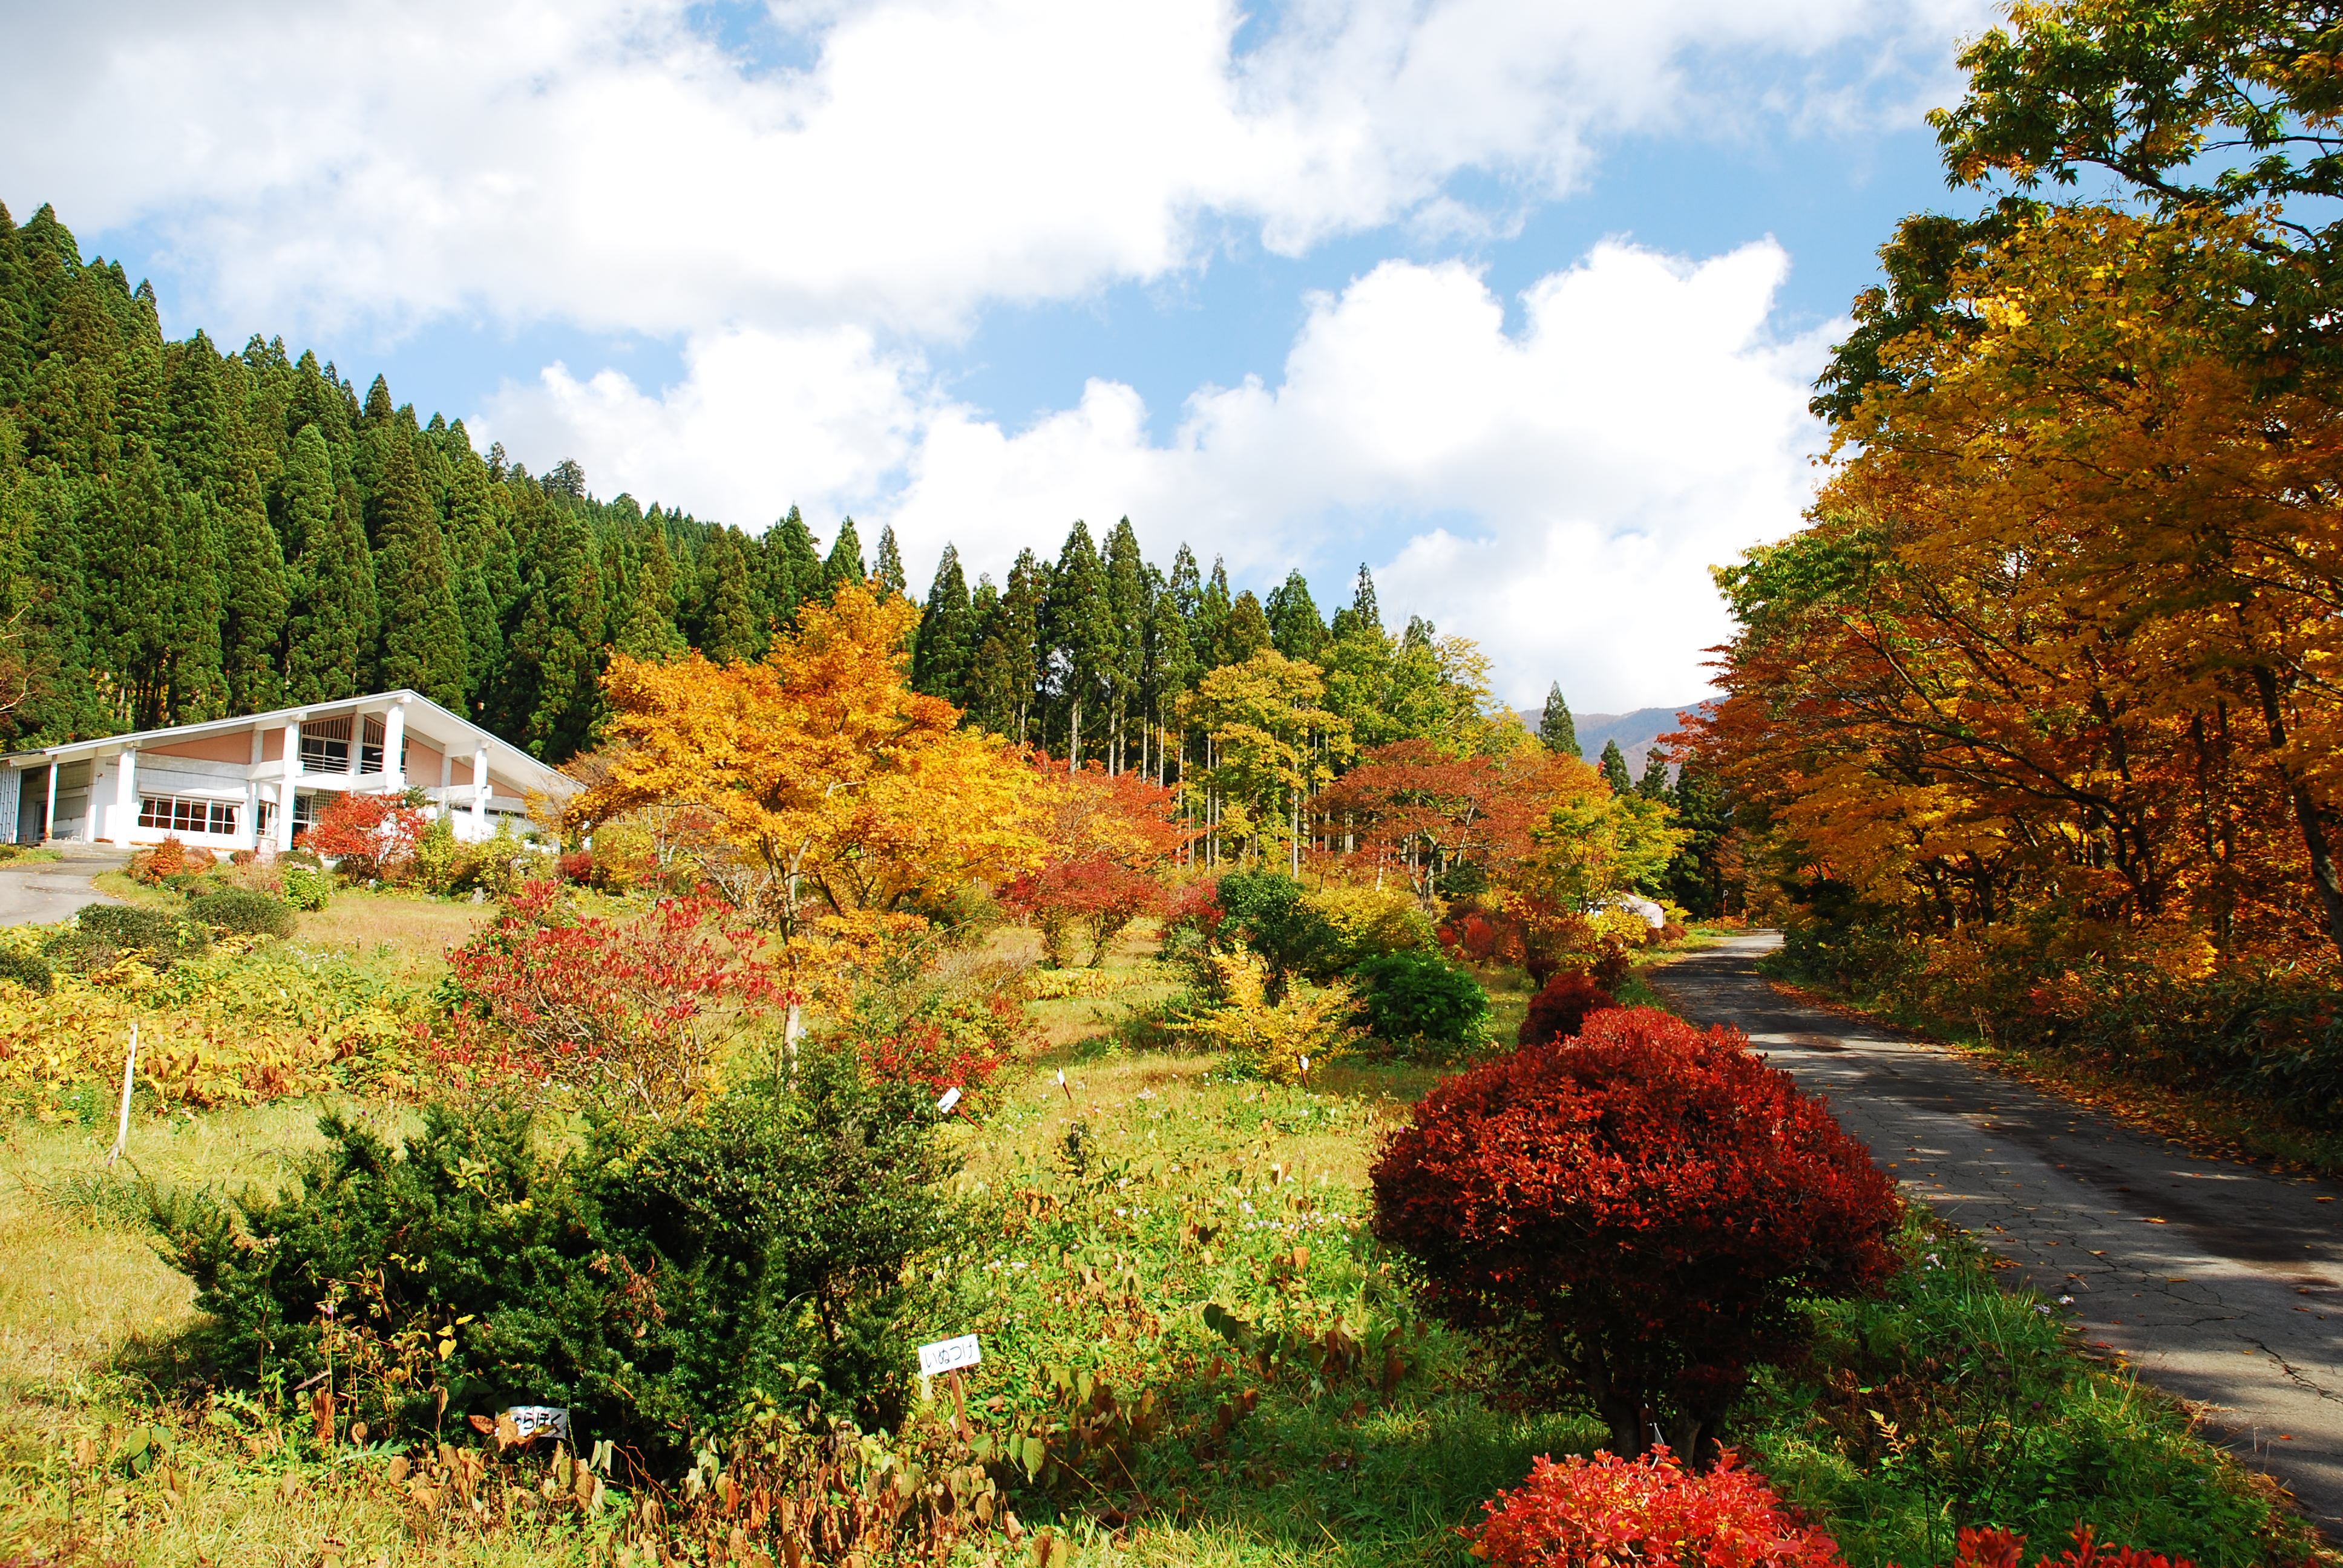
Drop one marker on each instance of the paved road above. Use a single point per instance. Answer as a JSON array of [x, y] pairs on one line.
[[48, 890], [2221, 1282]]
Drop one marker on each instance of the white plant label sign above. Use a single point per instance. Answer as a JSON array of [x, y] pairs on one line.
[[949, 1355]]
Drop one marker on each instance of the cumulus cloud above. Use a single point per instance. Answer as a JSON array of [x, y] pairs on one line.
[[1558, 490], [617, 164]]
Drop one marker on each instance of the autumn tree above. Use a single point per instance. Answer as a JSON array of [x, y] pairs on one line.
[[1272, 745], [836, 802]]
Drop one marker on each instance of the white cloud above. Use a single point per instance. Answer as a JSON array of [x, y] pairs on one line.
[[1557, 491], [610, 163]]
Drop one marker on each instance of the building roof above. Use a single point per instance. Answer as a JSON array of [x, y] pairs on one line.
[[449, 731]]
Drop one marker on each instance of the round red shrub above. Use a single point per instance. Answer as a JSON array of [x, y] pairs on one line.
[[1560, 1008], [1639, 1205], [1581, 1513]]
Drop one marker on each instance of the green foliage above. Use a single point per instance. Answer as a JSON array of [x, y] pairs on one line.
[[29, 969], [1269, 913], [242, 911], [1420, 999], [308, 888], [102, 934], [649, 1284], [1951, 1402], [1556, 729]]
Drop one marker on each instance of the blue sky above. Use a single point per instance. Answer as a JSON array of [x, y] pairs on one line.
[[1516, 305]]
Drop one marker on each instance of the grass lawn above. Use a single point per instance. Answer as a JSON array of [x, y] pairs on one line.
[[1321, 1422]]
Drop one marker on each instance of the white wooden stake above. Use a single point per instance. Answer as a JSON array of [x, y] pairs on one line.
[[129, 1076]]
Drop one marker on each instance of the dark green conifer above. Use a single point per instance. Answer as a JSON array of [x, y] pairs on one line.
[[330, 618], [1654, 784], [1614, 768], [1294, 625], [943, 650], [1555, 726], [845, 563], [1078, 644], [422, 627], [792, 568], [889, 570], [252, 587], [1245, 632]]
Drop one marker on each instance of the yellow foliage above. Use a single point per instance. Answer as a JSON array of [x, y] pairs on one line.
[[1311, 1026], [232, 1027], [1372, 920], [823, 795]]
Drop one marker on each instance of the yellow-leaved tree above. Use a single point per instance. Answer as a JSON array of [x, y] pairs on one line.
[[823, 796]]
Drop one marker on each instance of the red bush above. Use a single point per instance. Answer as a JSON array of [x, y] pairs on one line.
[[1592, 1513], [577, 867], [1641, 1204], [370, 835], [1559, 1010], [1096, 893], [961, 1046], [640, 1007], [2002, 1549]]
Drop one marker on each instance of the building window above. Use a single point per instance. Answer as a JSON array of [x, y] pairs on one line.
[[305, 814], [267, 811], [326, 746], [177, 814]]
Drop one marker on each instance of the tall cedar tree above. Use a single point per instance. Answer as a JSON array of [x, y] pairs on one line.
[[1078, 635], [942, 652], [1555, 726], [845, 564], [1654, 784], [889, 569], [1614, 768], [1294, 625], [422, 630]]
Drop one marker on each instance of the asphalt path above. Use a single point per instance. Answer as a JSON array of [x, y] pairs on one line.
[[2220, 1283], [46, 891]]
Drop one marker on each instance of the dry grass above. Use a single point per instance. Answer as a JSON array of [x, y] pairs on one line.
[[385, 923]]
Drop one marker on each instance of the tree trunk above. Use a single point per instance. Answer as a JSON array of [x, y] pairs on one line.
[[2316, 820]]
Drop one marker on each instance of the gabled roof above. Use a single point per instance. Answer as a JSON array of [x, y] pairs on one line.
[[450, 731]]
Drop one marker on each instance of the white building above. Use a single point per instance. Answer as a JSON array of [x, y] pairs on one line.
[[240, 783]]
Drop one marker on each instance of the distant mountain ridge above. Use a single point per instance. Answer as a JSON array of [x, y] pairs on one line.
[[1636, 732]]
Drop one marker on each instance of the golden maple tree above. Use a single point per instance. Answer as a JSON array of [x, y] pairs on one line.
[[828, 799]]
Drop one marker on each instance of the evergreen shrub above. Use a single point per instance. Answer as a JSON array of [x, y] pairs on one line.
[[1641, 1205], [1561, 1008], [102, 934], [242, 911], [1420, 998], [28, 970], [652, 1284]]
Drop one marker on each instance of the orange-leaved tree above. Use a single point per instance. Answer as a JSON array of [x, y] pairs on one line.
[[825, 797]]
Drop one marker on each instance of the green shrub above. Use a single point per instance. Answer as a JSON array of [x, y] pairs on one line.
[[648, 1286], [242, 911], [1268, 912], [308, 888], [30, 971], [1421, 998], [102, 933]]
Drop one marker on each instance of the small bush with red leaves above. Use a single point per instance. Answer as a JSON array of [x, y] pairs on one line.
[[368, 835], [1561, 1007], [2003, 1549], [1640, 1206], [1096, 896], [1592, 1513]]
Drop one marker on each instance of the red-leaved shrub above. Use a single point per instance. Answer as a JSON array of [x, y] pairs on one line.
[[637, 1009], [960, 1044], [1560, 1009], [368, 835], [1593, 1513], [1641, 1204], [1096, 894], [2005, 1549]]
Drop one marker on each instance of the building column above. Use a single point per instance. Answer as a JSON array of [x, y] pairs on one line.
[[49, 813], [357, 747], [446, 781], [291, 763], [480, 790], [394, 745], [126, 799]]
